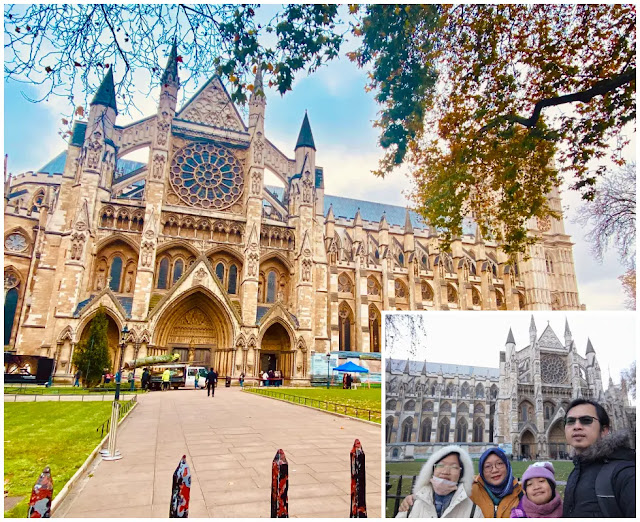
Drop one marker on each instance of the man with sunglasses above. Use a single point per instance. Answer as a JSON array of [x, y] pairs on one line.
[[603, 481]]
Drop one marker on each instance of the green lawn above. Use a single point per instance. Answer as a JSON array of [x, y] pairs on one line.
[[408, 469], [64, 390], [348, 402], [39, 434]]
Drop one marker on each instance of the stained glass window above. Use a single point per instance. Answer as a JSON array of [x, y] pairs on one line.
[[177, 270], [115, 274], [233, 277], [163, 273]]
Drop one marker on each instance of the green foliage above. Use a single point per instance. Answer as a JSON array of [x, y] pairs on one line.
[[91, 357], [60, 435]]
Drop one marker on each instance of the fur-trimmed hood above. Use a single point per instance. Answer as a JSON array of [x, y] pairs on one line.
[[615, 446], [427, 470]]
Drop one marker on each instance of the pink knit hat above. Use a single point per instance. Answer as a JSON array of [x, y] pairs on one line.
[[539, 469]]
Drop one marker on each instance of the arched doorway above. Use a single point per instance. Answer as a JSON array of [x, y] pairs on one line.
[[276, 351], [557, 442], [199, 330], [528, 446]]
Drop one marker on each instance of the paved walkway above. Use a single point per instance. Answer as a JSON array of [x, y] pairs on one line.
[[230, 442]]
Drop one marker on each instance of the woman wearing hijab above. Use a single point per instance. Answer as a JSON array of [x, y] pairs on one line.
[[443, 487], [495, 491]]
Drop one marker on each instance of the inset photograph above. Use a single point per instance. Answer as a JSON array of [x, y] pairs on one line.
[[510, 415]]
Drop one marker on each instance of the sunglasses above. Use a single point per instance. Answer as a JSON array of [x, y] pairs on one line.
[[585, 420]]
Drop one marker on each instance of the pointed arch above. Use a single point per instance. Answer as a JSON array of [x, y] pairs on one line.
[[374, 328], [346, 327]]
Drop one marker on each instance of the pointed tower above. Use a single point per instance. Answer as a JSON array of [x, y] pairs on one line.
[[567, 335], [510, 344], [533, 332], [383, 232], [409, 240], [330, 222], [157, 172]]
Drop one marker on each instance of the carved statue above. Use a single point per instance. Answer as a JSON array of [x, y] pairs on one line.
[[93, 150]]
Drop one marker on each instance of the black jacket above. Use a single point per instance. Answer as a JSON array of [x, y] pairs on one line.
[[212, 377], [580, 499]]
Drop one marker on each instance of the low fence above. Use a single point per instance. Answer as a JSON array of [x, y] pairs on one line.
[[124, 409], [403, 487], [358, 412], [42, 493]]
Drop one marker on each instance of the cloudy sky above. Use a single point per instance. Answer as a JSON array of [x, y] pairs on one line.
[[613, 336], [341, 115]]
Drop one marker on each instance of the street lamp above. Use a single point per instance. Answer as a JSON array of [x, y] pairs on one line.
[[123, 337], [328, 361]]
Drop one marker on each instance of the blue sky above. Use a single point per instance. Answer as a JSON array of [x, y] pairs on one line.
[[341, 115]]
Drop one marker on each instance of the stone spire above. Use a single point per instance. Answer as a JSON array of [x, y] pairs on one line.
[[106, 93], [170, 74], [510, 338], [533, 331], [590, 346], [305, 138], [330, 217], [408, 227], [567, 334]]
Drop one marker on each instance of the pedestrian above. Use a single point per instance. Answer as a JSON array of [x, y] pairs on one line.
[[166, 379], [443, 487], [603, 481], [77, 376], [265, 378], [540, 499], [197, 378], [132, 381], [144, 381], [495, 490], [241, 379], [212, 377]]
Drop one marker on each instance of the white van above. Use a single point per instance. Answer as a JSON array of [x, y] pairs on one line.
[[190, 381]]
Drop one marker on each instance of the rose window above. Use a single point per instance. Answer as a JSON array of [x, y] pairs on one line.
[[554, 369], [207, 176], [15, 243]]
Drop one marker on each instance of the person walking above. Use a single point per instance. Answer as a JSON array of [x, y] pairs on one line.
[[144, 381], [603, 481], [197, 378], [212, 377], [77, 376], [132, 381], [540, 500], [166, 379], [443, 487], [241, 379]]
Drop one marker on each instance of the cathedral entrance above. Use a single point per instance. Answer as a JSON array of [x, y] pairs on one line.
[[557, 442], [198, 330], [528, 446], [113, 343], [276, 352]]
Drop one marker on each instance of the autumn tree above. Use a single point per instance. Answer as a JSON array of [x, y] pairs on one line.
[[629, 376], [91, 356], [483, 141], [628, 280]]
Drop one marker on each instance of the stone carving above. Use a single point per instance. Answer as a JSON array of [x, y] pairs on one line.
[[213, 107], [100, 281], [252, 265], [307, 187], [77, 246], [15, 243], [158, 166], [306, 269], [93, 150], [258, 147], [146, 253], [10, 281], [200, 276], [195, 317], [256, 183], [164, 124], [128, 282]]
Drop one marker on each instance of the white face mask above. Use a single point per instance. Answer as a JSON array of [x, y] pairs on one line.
[[443, 486]]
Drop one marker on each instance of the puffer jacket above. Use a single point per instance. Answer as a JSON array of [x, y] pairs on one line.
[[481, 498], [423, 500], [580, 499]]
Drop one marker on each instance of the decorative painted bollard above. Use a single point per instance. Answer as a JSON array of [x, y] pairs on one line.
[[41, 494], [280, 486], [358, 483], [181, 490]]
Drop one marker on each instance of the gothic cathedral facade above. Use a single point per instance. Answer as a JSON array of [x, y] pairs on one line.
[[192, 253]]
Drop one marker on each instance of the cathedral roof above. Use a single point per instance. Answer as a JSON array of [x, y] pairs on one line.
[[370, 211], [416, 367], [549, 339], [305, 138]]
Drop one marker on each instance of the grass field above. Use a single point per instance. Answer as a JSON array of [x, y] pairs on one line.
[[58, 435], [348, 402], [409, 469], [64, 390]]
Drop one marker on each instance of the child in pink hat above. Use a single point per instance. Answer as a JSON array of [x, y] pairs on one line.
[[540, 499]]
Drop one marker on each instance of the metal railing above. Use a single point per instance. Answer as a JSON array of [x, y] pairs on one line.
[[328, 405], [124, 409], [398, 495]]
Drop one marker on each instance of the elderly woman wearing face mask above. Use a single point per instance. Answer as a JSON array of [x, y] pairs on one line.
[[494, 490], [443, 487]]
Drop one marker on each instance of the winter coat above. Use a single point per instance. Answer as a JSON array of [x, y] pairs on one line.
[[527, 509], [423, 502], [482, 499], [580, 499]]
